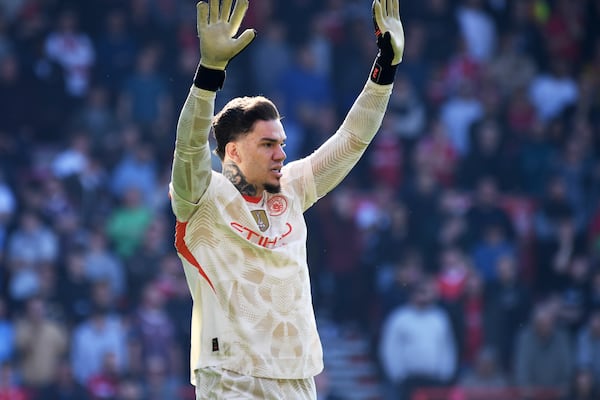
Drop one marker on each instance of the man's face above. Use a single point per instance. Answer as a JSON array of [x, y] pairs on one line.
[[260, 155]]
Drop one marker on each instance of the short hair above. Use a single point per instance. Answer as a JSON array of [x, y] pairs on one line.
[[237, 118]]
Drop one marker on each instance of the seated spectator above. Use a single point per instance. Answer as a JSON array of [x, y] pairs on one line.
[[75, 288], [7, 333], [73, 50], [507, 305], [555, 255], [98, 335], [594, 294], [41, 344], [552, 92], [486, 157], [486, 372], [584, 386], [65, 387], [493, 245], [153, 332], [554, 207], [136, 169], [574, 302], [160, 382], [104, 385], [32, 242], [102, 264], [453, 273], [543, 355], [10, 386], [588, 346], [436, 153], [8, 206], [144, 97], [127, 223], [417, 345], [486, 209]]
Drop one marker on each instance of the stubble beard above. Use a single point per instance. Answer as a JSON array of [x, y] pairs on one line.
[[273, 189]]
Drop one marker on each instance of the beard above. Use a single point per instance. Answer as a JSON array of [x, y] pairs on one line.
[[272, 188]]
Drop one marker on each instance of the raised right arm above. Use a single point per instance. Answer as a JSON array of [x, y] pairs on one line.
[[191, 171], [217, 23]]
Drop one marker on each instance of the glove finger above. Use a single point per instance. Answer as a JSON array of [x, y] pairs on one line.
[[395, 9], [202, 12], [226, 10], [378, 16], [239, 10], [244, 40], [387, 7], [214, 11]]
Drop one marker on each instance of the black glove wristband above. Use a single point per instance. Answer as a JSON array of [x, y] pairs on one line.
[[209, 79], [383, 72]]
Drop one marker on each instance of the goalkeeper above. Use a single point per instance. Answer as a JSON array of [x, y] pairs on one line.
[[240, 233]]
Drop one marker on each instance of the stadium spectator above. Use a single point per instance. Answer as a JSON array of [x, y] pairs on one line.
[[478, 29], [73, 50], [543, 355], [144, 98], [507, 306], [101, 264], [588, 346], [552, 92], [41, 344], [153, 333], [103, 332], [116, 49], [486, 372], [583, 386], [127, 222], [7, 334], [418, 347], [10, 385], [64, 387]]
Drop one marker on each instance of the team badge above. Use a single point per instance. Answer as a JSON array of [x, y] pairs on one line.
[[277, 205], [260, 216]]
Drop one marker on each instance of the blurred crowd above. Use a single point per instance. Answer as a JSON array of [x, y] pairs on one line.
[[465, 244]]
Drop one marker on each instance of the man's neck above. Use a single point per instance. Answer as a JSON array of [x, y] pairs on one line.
[[232, 172]]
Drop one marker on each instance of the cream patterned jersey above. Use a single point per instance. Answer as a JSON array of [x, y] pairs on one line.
[[245, 261], [246, 268]]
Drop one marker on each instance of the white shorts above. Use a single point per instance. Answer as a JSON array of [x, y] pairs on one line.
[[216, 383]]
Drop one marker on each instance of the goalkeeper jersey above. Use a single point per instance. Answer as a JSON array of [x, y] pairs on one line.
[[245, 258]]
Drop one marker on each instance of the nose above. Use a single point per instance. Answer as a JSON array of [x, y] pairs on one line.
[[279, 154]]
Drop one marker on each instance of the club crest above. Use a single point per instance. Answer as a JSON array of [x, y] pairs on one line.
[[277, 205]]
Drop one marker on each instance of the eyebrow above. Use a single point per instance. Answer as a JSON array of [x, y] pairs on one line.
[[271, 140]]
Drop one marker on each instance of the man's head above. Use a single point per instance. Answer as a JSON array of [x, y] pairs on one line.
[[250, 135]]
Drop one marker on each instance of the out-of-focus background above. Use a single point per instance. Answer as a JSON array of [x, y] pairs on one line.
[[461, 255]]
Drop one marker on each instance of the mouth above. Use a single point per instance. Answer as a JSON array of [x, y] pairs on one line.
[[277, 172]]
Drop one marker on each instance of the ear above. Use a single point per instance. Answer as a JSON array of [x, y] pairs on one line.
[[232, 152]]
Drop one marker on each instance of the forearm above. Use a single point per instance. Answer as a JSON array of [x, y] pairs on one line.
[[336, 157], [192, 160]]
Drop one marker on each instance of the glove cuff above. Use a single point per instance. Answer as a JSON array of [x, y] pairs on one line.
[[383, 72], [209, 79]]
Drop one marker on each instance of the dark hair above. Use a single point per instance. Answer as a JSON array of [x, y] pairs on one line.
[[238, 117]]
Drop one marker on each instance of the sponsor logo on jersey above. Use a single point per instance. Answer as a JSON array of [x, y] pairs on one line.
[[265, 241]]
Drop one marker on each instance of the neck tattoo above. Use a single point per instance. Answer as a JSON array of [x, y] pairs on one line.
[[232, 172]]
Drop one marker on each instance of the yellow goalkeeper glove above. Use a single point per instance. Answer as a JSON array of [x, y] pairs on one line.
[[217, 24], [390, 40]]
